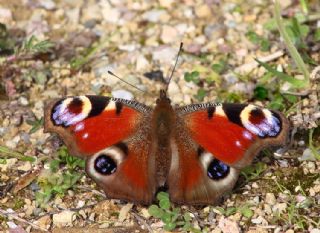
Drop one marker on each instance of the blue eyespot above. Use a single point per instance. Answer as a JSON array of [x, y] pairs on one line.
[[105, 165], [217, 170]]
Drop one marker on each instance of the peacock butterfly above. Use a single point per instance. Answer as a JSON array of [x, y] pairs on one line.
[[132, 150]]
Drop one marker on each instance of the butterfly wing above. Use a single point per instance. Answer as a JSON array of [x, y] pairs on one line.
[[212, 143], [113, 136]]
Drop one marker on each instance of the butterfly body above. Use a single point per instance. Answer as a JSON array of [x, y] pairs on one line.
[[132, 150]]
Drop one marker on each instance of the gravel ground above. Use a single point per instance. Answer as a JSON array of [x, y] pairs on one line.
[[131, 38]]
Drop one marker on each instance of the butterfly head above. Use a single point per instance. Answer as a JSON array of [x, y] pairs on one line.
[[163, 98]]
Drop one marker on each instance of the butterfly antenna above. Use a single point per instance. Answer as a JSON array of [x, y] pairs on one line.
[[174, 67], [116, 76]]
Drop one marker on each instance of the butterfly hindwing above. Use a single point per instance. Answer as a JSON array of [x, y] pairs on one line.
[[196, 176], [124, 170], [113, 135]]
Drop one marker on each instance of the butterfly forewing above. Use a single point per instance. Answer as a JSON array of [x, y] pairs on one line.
[[234, 133], [113, 135]]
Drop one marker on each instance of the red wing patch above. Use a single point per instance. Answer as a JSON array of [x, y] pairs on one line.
[[190, 170], [98, 132], [226, 140], [135, 168], [88, 124]]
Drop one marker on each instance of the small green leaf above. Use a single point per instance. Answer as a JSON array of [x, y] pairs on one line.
[[291, 98], [36, 125], [317, 35], [260, 93], [166, 217], [277, 103], [3, 161], [162, 195], [295, 82], [187, 217], [230, 210], [265, 45], [218, 67], [187, 77], [164, 203], [170, 226], [155, 211], [253, 37], [54, 165], [201, 94], [220, 209], [246, 212], [192, 77]]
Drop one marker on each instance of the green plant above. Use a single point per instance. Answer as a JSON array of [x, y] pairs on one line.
[[57, 182], [36, 124], [262, 42], [6, 152], [278, 100], [87, 55], [170, 216], [192, 77], [291, 48], [6, 44], [294, 214], [315, 150], [253, 171], [244, 210], [33, 46], [260, 92], [64, 158], [201, 93]]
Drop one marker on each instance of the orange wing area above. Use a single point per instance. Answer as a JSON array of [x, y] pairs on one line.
[[227, 141], [190, 170], [133, 179], [135, 168], [96, 133]]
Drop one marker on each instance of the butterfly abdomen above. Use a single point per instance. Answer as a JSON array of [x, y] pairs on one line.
[[163, 121]]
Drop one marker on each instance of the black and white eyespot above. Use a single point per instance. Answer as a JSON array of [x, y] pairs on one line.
[[106, 162], [71, 110], [218, 172], [260, 121]]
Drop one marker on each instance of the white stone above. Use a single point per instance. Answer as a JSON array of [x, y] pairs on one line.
[[64, 218], [110, 14], [5, 16], [164, 54], [23, 101], [48, 4], [270, 199], [227, 225], [123, 94], [307, 155], [315, 230], [166, 3], [124, 212], [203, 11], [142, 63], [153, 15], [145, 213], [26, 166], [80, 204], [9, 163], [12, 225], [169, 34], [280, 207]]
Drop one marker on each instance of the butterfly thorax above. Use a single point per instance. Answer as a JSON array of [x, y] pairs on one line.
[[163, 120]]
